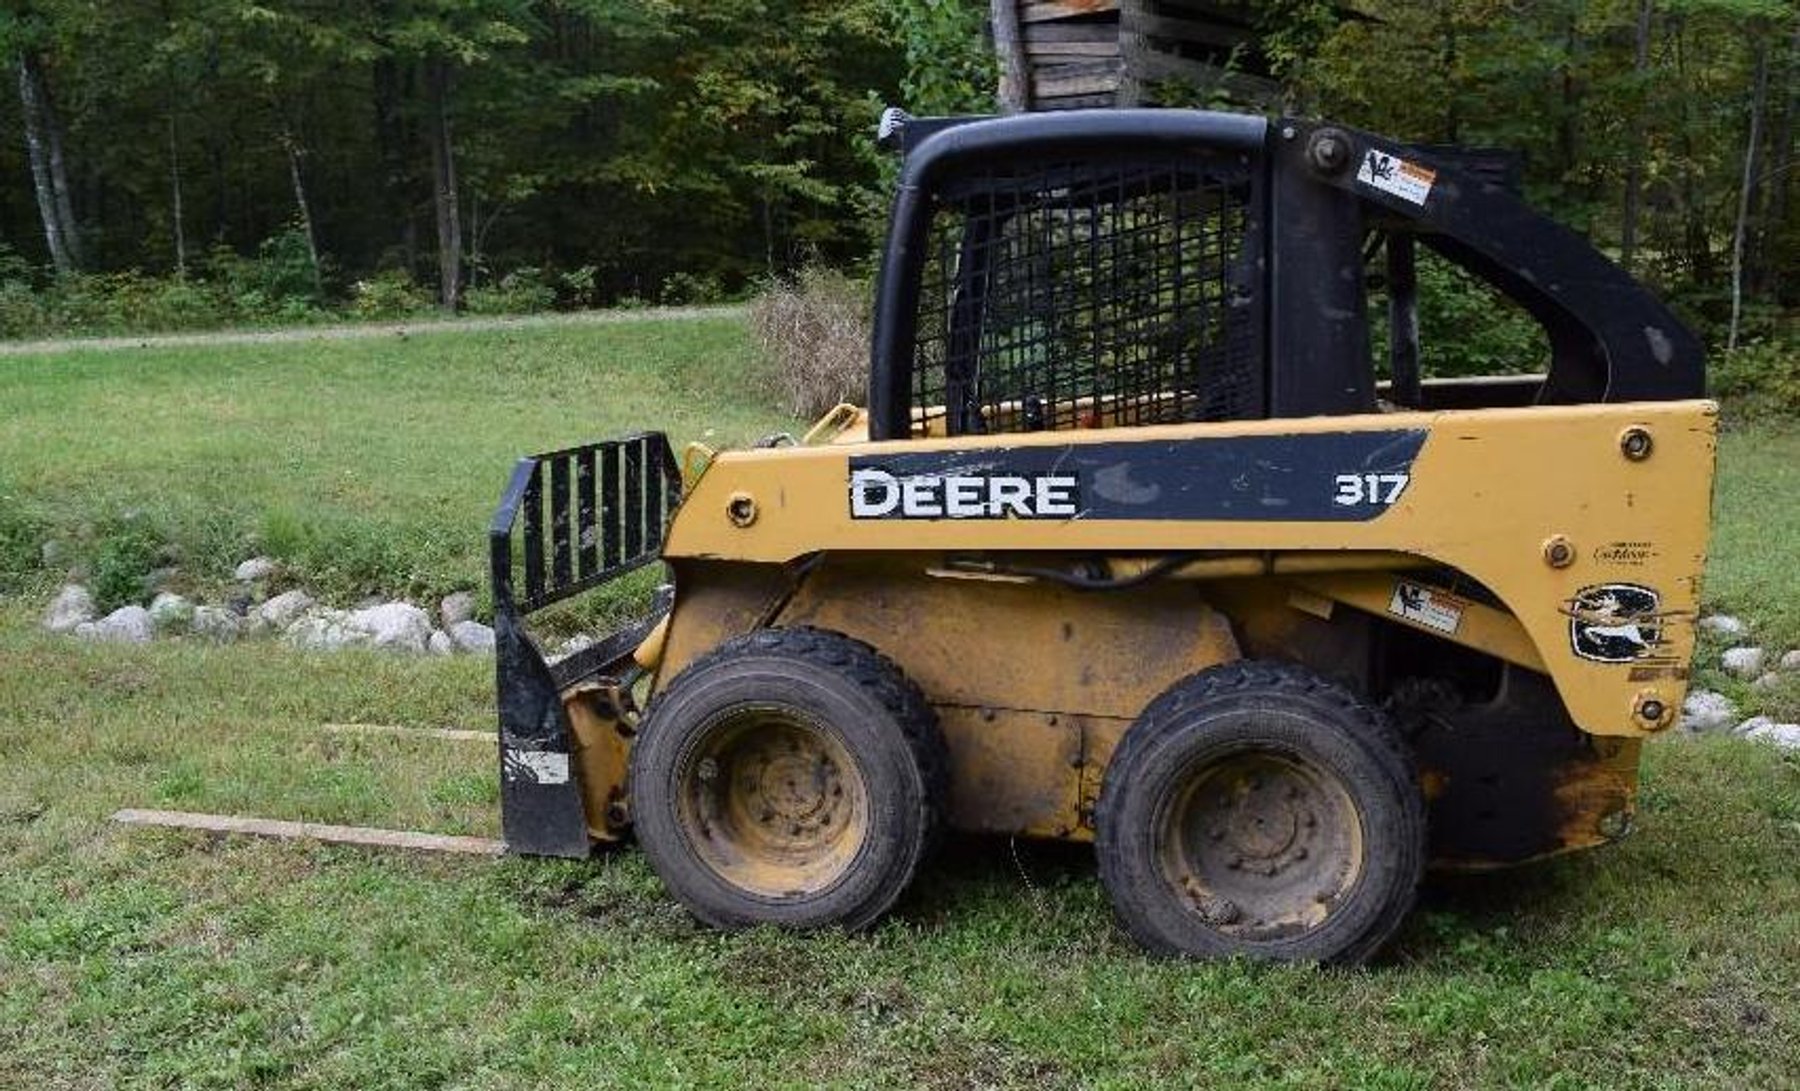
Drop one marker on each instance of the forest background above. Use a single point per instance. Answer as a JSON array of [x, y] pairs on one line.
[[194, 163]]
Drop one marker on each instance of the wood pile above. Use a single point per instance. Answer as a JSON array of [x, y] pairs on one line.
[[1085, 53]]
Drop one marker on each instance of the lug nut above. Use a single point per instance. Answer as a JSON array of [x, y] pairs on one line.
[[1635, 443], [1559, 552]]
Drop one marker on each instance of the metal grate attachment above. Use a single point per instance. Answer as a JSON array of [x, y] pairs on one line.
[[1089, 293], [608, 507]]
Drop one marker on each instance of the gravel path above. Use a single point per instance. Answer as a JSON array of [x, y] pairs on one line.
[[361, 331]]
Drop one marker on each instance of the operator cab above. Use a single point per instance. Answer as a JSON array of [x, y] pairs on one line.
[[1100, 268]]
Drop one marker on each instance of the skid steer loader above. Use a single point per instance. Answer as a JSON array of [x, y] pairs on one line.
[[1130, 546]]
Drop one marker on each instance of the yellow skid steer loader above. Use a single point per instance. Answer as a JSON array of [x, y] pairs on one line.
[[1131, 546]]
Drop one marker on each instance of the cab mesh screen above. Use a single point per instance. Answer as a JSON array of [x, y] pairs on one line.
[[1087, 294]]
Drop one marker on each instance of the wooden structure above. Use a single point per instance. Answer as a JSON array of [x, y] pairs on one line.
[[1068, 54]]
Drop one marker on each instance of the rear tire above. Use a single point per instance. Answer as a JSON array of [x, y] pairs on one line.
[[790, 776], [1256, 809]]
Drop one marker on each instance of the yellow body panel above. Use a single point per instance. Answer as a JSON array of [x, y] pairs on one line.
[[1534, 504]]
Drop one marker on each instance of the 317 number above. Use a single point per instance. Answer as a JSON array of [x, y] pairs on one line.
[[1384, 489]]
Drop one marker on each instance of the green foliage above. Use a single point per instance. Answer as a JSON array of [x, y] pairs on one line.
[[391, 293], [1760, 380], [949, 67], [21, 538], [522, 291], [127, 549], [1465, 327]]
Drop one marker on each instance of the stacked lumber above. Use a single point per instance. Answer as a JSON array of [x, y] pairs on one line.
[[1082, 53]]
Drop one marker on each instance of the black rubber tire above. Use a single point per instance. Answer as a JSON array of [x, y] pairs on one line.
[[1293, 714], [879, 717]]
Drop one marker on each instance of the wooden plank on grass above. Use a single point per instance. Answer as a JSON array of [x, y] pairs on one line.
[[411, 732], [311, 831]]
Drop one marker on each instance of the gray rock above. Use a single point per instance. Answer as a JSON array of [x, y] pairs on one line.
[[456, 609], [52, 553], [169, 610], [71, 607], [256, 568], [1705, 710], [440, 643], [324, 630], [578, 642], [473, 636], [1791, 661], [400, 626], [1766, 681], [1754, 723], [280, 611], [1786, 736], [1724, 625], [1744, 662], [126, 625], [216, 623]]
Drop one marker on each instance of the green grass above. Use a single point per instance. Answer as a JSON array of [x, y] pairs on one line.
[[155, 958], [369, 465], [145, 957], [1753, 570]]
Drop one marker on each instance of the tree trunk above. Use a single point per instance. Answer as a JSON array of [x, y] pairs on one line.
[[58, 231], [304, 206], [1634, 169], [175, 213], [444, 194], [1759, 98], [1014, 93]]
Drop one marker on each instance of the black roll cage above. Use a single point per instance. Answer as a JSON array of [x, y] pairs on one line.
[[1610, 339]]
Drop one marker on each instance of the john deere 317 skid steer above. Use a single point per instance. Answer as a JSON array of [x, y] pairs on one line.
[[1131, 546]]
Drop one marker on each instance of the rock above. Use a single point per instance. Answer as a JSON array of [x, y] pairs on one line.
[[1791, 661], [216, 623], [126, 625], [256, 568], [168, 610], [397, 625], [1752, 724], [473, 636], [456, 609], [159, 578], [1724, 625], [577, 643], [1786, 736], [1766, 681], [71, 607], [1744, 662], [1707, 711], [52, 553], [440, 643], [324, 630], [280, 611]]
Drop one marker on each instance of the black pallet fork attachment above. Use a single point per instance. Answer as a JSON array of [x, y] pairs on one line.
[[601, 510]]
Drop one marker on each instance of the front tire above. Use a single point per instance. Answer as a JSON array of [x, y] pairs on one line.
[[1256, 809], [792, 777]]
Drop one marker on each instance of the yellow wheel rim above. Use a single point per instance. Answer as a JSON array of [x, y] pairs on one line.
[[773, 803]]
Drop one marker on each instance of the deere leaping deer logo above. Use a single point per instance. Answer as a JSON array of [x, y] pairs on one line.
[[1615, 623]]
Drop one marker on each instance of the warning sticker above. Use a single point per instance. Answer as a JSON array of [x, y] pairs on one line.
[[1392, 174], [1426, 606]]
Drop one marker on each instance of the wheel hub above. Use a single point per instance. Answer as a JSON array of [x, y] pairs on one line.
[[1262, 845], [773, 803]]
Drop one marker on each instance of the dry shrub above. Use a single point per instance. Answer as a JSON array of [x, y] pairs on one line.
[[814, 330]]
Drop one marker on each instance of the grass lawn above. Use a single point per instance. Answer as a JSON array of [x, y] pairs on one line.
[[367, 465], [140, 958]]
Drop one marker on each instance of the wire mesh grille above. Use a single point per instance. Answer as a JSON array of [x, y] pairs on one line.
[[1088, 293]]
